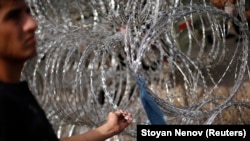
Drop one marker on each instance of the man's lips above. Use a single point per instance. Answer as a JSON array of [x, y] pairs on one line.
[[31, 40]]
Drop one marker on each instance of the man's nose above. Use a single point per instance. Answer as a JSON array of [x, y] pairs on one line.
[[30, 24]]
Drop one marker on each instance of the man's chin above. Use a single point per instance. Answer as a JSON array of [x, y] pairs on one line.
[[32, 56]]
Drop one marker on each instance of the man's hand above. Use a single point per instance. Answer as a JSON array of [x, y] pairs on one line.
[[117, 121]]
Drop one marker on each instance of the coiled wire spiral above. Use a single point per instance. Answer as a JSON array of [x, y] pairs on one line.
[[89, 51]]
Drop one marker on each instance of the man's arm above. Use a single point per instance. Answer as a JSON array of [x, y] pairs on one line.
[[115, 124]]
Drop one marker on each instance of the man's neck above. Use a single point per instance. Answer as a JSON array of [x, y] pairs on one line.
[[10, 72]]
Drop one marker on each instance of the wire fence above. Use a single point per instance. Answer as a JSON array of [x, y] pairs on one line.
[[193, 56]]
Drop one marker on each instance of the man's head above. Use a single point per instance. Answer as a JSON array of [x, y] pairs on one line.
[[17, 31]]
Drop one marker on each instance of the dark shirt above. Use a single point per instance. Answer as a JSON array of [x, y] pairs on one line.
[[21, 117]]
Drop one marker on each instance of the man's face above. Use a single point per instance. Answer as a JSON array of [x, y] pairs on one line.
[[17, 31]]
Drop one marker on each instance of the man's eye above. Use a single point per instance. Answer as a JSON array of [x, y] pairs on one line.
[[14, 15]]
